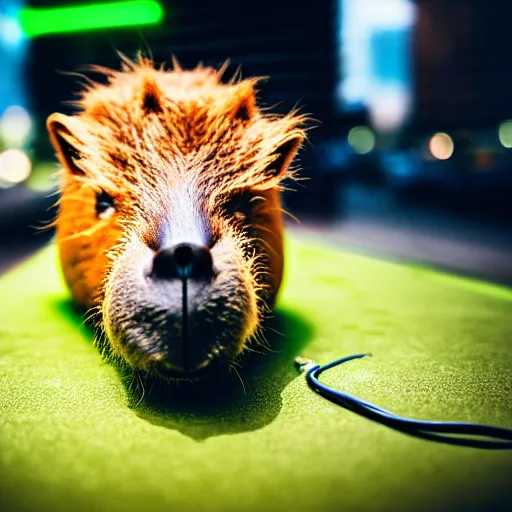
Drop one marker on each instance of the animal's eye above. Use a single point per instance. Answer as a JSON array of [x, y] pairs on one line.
[[239, 206], [104, 205]]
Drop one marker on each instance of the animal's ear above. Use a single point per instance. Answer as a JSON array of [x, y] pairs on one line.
[[243, 103], [281, 158], [65, 135], [244, 108], [151, 95]]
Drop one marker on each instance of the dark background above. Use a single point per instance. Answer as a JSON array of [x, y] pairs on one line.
[[396, 201]]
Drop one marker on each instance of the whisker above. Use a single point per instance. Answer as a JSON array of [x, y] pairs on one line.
[[275, 330], [143, 394], [240, 378]]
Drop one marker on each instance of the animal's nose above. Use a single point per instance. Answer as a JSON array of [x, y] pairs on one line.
[[186, 261]]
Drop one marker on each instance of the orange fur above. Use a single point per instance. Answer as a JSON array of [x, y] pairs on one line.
[[143, 132], [196, 122]]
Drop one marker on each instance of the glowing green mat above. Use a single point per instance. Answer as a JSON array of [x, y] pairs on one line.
[[72, 439]]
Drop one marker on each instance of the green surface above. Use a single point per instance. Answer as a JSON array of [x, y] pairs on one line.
[[73, 437], [93, 16]]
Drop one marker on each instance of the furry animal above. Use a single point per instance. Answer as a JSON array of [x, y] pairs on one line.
[[170, 222]]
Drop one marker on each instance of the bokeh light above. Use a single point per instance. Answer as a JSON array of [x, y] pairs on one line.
[[389, 108], [15, 167], [15, 126], [441, 146], [361, 139], [505, 133], [10, 31]]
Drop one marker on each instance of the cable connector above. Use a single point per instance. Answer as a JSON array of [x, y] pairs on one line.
[[303, 364]]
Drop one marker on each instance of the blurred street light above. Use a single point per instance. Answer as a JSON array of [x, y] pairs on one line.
[[15, 167], [361, 139], [15, 126], [505, 134], [441, 146]]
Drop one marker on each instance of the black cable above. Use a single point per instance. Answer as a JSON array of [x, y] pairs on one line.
[[440, 431]]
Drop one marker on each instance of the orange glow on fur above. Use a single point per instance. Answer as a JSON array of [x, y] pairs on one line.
[[142, 132]]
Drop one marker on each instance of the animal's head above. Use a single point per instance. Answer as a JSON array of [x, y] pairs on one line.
[[170, 222]]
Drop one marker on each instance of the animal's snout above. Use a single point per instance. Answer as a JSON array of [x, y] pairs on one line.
[[185, 261], [188, 347]]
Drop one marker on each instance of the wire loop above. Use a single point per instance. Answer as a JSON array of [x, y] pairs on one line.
[[492, 437]]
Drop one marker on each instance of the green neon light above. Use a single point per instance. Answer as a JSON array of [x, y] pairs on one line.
[[56, 20]]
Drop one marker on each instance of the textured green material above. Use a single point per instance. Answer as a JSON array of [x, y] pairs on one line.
[[72, 438]]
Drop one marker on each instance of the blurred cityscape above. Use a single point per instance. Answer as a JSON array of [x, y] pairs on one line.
[[411, 154]]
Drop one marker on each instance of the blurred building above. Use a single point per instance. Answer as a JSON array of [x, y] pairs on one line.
[[463, 75], [405, 94], [295, 47]]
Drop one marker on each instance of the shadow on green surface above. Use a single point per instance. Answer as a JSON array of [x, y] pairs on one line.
[[236, 402], [68, 309], [226, 406]]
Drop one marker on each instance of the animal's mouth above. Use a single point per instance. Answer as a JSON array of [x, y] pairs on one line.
[[179, 323], [210, 368], [184, 331], [190, 367]]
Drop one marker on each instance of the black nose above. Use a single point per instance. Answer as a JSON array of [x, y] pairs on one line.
[[186, 261]]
